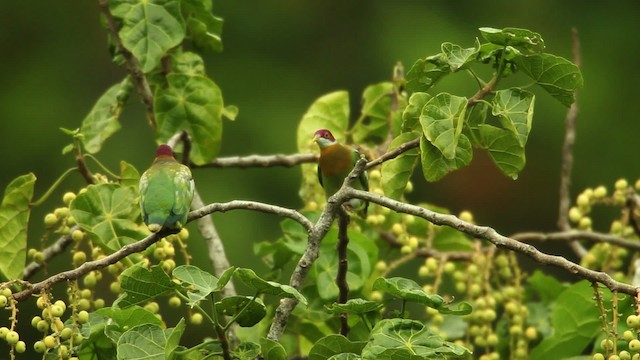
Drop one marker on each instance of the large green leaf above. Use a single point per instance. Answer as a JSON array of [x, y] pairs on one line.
[[100, 335], [411, 114], [272, 350], [575, 321], [129, 317], [192, 104], [102, 120], [149, 28], [435, 166], [355, 306], [330, 111], [442, 120], [546, 287], [107, 212], [139, 284], [397, 172], [425, 73], [514, 109], [198, 282], [504, 148], [393, 339], [521, 38], [378, 112], [205, 29], [249, 311], [14, 220], [147, 341], [332, 345], [261, 286], [409, 290], [173, 341], [557, 75], [458, 57], [129, 175]]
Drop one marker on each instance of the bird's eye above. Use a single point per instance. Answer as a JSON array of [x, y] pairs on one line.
[[326, 135]]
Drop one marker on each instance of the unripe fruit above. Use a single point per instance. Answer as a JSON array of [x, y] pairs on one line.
[[35, 320], [637, 184], [61, 304], [42, 326], [413, 242], [634, 345], [12, 337], [585, 223], [575, 214], [621, 184], [115, 287], [431, 264], [600, 192], [66, 333], [90, 280], [624, 355], [3, 332], [77, 235], [41, 302], [606, 344], [62, 212], [423, 271], [84, 304], [50, 220], [175, 302], [466, 216], [492, 340], [38, 257], [152, 307], [633, 321], [598, 356], [515, 330], [531, 333], [628, 335], [79, 258], [56, 310], [49, 341], [376, 296], [168, 265], [57, 325], [449, 267], [21, 347], [39, 346], [3, 301], [159, 253], [83, 317], [397, 229], [184, 234], [196, 319], [582, 200], [406, 249], [409, 187], [381, 266], [98, 303], [374, 174], [68, 197]]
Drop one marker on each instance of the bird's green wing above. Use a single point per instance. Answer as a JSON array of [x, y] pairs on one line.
[[183, 190]]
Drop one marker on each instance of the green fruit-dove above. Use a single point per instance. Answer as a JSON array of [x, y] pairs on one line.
[[166, 191], [336, 162]]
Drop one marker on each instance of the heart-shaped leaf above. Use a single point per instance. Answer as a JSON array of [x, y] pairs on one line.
[[261, 286], [14, 219], [557, 75], [139, 285], [198, 282]]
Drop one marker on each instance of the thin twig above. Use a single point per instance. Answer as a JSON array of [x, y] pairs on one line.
[[423, 252], [574, 235], [567, 158], [52, 250], [133, 66], [343, 268]]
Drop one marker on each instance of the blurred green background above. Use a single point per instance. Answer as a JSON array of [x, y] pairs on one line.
[[281, 55]]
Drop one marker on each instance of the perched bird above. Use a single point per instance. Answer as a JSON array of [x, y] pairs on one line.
[[336, 162], [166, 191]]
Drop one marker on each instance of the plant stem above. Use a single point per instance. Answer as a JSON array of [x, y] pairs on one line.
[[46, 195], [220, 331], [104, 168], [233, 319]]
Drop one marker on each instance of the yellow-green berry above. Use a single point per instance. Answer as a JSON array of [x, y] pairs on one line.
[[12, 337], [83, 317], [39, 347], [196, 318], [21, 347], [621, 184], [68, 197], [77, 235], [49, 341], [175, 302], [50, 220]]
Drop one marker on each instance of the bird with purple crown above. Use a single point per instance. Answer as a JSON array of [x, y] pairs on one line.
[[335, 164], [166, 191]]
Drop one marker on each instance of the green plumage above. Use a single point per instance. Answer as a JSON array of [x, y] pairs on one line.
[[166, 191]]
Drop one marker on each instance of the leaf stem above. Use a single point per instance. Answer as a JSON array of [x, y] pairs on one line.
[[233, 319], [57, 183], [102, 166]]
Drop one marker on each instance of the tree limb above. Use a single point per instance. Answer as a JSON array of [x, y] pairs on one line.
[[491, 235], [260, 161], [343, 268], [574, 235]]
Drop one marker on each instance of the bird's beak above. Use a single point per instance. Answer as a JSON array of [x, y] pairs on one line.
[[314, 140]]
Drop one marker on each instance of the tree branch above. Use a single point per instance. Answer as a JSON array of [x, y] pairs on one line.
[[573, 235], [343, 268], [567, 158], [311, 252], [491, 235], [260, 161], [133, 67], [52, 250], [92, 265], [394, 153]]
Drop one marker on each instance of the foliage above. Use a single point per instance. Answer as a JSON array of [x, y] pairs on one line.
[[503, 312]]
